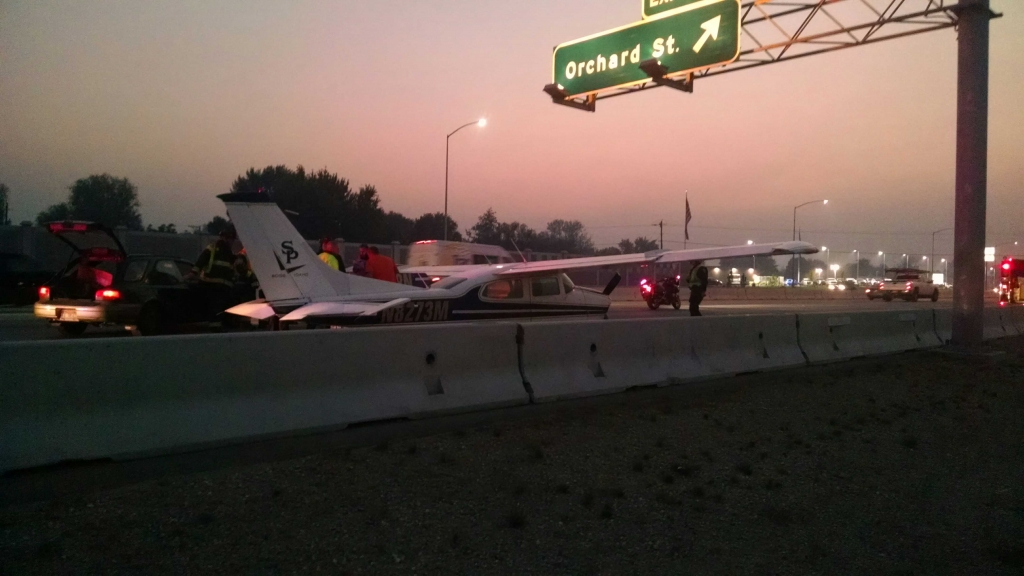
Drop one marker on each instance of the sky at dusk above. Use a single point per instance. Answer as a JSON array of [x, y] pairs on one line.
[[183, 96]]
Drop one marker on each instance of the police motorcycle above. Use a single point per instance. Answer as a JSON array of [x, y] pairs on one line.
[[656, 293]]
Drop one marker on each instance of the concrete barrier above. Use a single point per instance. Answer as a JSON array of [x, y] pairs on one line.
[[994, 326], [91, 399], [729, 345], [943, 319], [589, 358], [831, 337], [1015, 314]]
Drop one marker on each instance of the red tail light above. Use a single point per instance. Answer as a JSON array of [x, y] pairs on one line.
[[643, 281], [1006, 265], [107, 295], [647, 287], [44, 293]]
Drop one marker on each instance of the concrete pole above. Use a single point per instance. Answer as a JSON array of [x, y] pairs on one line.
[[971, 172]]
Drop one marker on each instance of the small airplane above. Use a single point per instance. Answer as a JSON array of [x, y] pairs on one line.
[[297, 286]]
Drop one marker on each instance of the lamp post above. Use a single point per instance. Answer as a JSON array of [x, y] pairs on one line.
[[933, 245], [882, 254], [945, 271], [796, 280], [754, 257], [906, 262], [481, 123], [828, 256], [835, 271], [857, 259]]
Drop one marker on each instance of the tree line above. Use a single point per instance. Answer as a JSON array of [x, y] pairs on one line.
[[322, 204]]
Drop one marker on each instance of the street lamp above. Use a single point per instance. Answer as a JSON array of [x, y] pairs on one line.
[[945, 271], [933, 245], [754, 257], [857, 259], [828, 255], [835, 271], [882, 254], [481, 123], [796, 281], [906, 263]]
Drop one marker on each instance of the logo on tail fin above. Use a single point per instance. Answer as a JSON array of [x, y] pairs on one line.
[[290, 253]]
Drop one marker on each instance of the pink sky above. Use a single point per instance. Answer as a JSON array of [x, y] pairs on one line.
[[183, 96]]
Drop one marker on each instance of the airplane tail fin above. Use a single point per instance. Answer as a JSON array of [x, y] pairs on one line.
[[285, 265]]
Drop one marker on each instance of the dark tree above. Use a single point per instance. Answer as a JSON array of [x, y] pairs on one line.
[[566, 235], [216, 225], [5, 205], [486, 230], [609, 251], [431, 227], [399, 227], [641, 244], [99, 198], [165, 228]]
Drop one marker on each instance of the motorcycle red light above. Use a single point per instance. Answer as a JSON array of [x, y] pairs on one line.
[[643, 281], [107, 295], [44, 293], [1006, 265]]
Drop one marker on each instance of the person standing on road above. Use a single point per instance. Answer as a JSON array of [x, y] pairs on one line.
[[215, 270], [330, 254], [360, 267], [697, 279], [381, 267]]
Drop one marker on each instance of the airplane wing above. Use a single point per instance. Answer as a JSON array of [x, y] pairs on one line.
[[440, 270], [776, 249], [661, 257], [334, 309]]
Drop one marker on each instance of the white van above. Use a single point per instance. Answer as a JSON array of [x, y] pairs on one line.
[[444, 253]]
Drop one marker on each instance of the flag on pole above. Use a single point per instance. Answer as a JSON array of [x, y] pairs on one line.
[[689, 216]]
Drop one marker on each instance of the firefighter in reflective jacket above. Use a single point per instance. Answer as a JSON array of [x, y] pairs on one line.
[[697, 279], [215, 269]]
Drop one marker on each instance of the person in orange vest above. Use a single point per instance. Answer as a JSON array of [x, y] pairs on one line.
[[381, 267]]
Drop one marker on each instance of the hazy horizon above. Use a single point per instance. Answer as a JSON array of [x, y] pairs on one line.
[[183, 97]]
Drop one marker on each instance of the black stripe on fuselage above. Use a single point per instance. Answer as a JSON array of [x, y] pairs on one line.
[[464, 308]]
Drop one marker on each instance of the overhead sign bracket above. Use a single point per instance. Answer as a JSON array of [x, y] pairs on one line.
[[560, 96], [657, 72]]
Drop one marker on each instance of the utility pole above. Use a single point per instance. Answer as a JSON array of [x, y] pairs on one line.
[[661, 227], [971, 171]]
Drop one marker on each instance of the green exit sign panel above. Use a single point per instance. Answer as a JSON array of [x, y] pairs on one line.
[[706, 35], [654, 7]]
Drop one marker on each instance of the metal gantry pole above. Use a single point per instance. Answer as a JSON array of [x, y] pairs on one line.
[[444, 223], [971, 171]]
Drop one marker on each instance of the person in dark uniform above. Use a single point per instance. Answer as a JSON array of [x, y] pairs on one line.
[[697, 279], [215, 270]]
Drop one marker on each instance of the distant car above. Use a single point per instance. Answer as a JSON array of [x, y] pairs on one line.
[[102, 284], [908, 284], [20, 278]]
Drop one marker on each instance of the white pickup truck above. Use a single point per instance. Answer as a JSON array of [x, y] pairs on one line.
[[907, 283]]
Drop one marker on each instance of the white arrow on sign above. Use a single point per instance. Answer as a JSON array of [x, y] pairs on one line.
[[710, 29]]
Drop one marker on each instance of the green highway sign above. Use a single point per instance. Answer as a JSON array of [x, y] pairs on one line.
[[654, 7], [699, 35]]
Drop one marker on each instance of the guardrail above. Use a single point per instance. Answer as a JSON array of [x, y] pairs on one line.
[[123, 398]]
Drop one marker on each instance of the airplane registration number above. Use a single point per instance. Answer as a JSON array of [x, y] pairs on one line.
[[422, 311]]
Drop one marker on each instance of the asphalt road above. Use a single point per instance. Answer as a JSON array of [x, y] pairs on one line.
[[18, 324]]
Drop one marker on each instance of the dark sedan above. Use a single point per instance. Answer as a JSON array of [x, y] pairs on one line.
[[20, 278]]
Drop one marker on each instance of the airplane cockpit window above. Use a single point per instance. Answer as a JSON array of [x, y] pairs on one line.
[[504, 289], [544, 286]]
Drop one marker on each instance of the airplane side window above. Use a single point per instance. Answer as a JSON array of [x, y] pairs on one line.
[[503, 289], [545, 286]]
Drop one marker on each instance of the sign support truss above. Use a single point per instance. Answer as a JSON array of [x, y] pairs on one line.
[[782, 30]]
